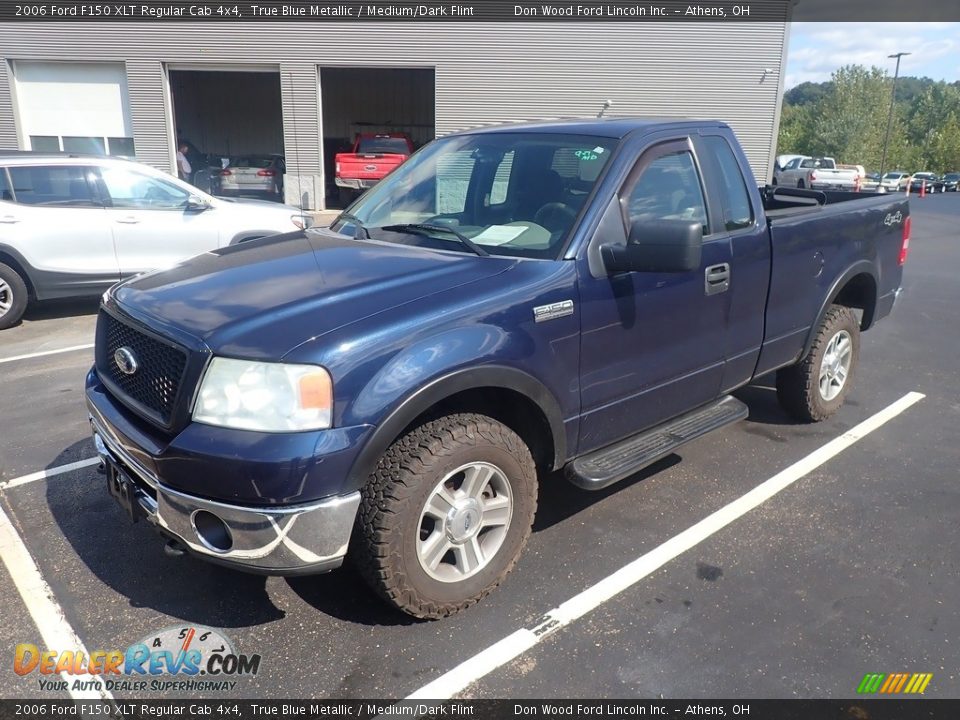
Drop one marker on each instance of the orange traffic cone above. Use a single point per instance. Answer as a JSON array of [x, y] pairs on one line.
[[923, 188], [908, 190]]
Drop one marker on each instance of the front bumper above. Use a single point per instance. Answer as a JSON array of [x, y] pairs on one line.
[[290, 540]]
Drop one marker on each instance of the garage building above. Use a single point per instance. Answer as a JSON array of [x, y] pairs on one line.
[[304, 90]]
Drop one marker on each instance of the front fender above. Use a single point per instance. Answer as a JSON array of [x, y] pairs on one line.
[[433, 370]]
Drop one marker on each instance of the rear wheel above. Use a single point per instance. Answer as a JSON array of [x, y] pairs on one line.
[[445, 515], [13, 296], [801, 184], [815, 388]]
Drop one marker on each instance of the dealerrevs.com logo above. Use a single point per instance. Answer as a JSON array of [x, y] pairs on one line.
[[173, 659]]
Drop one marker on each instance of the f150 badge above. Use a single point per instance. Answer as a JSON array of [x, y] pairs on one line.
[[553, 311], [893, 218]]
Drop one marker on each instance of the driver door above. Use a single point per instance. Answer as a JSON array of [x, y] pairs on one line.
[[652, 343], [152, 227]]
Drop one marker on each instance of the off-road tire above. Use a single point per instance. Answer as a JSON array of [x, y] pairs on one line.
[[383, 547], [798, 387], [12, 285]]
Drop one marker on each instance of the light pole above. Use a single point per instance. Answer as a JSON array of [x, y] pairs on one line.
[[893, 97]]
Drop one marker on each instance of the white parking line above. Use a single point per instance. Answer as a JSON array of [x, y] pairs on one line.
[[515, 644], [49, 472], [56, 632], [45, 352]]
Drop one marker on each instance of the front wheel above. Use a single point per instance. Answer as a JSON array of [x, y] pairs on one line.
[[445, 515], [800, 184], [815, 388]]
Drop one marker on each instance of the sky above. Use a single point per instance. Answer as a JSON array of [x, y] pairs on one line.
[[818, 48]]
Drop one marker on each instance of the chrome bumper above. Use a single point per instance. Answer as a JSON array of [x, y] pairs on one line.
[[292, 540]]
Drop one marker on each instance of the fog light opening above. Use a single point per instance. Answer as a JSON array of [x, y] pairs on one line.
[[212, 531]]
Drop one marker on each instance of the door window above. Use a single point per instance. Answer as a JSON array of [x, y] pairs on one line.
[[55, 186], [131, 190], [5, 192], [668, 188], [737, 212]]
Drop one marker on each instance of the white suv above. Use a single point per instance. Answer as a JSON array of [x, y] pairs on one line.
[[74, 225]]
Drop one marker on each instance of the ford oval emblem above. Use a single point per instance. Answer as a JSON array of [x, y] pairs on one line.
[[369, 168], [125, 360]]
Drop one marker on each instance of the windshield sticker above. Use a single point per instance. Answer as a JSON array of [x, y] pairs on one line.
[[588, 154], [499, 234]]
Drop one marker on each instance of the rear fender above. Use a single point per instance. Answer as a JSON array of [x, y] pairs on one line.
[[858, 268]]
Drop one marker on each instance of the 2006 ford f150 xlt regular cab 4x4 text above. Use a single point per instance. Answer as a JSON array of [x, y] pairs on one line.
[[578, 296]]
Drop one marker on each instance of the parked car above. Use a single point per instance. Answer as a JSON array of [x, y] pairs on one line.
[[818, 174], [512, 301], [895, 180], [254, 175], [72, 225], [950, 181], [871, 182], [928, 180], [373, 156]]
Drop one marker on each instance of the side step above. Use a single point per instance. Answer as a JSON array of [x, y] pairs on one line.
[[615, 462]]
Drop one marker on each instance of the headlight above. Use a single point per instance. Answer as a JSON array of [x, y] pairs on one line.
[[302, 221], [269, 397]]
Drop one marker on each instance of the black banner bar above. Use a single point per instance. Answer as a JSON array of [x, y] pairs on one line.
[[326, 11], [229, 709]]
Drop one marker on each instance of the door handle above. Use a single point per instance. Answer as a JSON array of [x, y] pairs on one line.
[[9, 219], [716, 279], [129, 220]]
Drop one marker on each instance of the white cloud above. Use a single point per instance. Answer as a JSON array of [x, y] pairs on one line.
[[817, 49]]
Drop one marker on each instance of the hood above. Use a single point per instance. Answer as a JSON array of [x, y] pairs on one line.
[[263, 298]]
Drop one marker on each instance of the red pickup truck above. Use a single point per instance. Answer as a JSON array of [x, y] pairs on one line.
[[373, 156]]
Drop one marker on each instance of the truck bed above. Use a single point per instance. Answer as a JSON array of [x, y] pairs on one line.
[[821, 239]]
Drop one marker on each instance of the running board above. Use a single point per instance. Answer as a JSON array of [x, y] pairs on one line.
[[621, 460]]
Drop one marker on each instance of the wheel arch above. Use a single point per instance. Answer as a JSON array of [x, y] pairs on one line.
[[857, 287], [506, 394], [9, 256]]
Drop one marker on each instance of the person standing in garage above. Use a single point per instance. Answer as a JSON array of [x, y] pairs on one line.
[[183, 165]]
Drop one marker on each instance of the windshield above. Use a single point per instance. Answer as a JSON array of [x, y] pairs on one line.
[[510, 193], [252, 162], [389, 145], [893, 176], [951, 176]]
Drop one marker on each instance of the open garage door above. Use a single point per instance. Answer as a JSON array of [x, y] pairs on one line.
[[232, 124], [373, 100]]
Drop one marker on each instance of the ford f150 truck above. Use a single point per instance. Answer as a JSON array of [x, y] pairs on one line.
[[818, 174], [372, 158], [576, 296]]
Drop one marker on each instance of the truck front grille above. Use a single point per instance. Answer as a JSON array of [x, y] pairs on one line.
[[155, 382]]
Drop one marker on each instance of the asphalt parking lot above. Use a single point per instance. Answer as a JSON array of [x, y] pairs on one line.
[[850, 569]]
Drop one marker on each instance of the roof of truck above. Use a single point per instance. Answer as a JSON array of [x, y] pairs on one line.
[[615, 127]]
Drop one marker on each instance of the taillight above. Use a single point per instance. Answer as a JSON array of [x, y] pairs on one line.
[[266, 173], [905, 243], [338, 167], [225, 173]]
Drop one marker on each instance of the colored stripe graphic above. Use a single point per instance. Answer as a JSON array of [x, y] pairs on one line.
[[894, 683]]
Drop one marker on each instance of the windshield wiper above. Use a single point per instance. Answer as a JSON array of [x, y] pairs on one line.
[[358, 222], [425, 229]]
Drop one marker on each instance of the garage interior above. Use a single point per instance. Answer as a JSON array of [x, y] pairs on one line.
[[226, 114], [373, 100]]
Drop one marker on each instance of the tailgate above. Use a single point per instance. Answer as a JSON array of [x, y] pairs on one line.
[[367, 167]]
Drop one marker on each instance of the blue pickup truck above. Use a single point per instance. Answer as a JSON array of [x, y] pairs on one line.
[[576, 296]]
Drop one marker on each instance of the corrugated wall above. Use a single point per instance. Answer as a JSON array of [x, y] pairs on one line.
[[8, 125], [149, 112], [485, 72]]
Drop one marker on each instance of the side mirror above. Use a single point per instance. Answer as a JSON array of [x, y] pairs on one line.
[[195, 203], [657, 246]]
